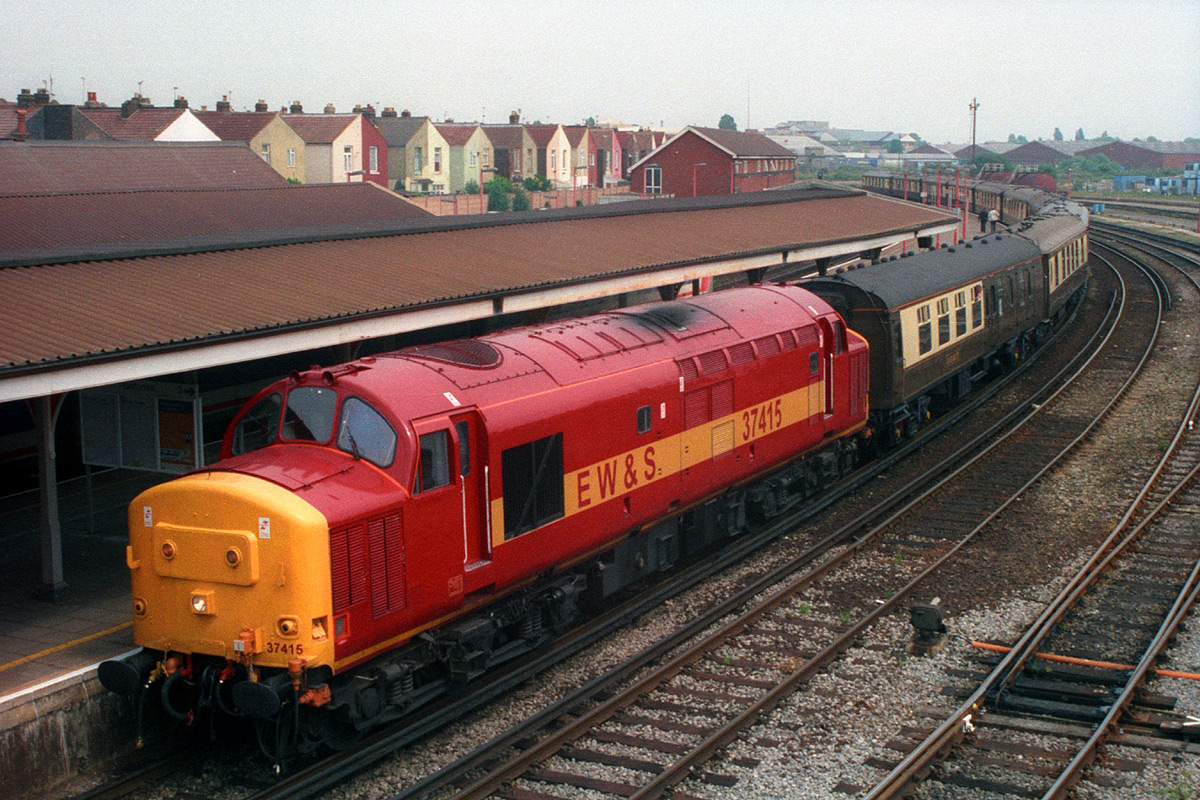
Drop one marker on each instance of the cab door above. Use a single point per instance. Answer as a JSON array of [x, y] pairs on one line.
[[433, 517], [472, 472]]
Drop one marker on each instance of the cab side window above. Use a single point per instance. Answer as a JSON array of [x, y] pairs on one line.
[[435, 460]]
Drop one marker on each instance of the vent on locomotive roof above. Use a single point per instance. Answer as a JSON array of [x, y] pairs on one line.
[[464, 352]]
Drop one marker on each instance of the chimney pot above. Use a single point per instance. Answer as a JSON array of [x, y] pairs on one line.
[[223, 104], [21, 134], [329, 109]]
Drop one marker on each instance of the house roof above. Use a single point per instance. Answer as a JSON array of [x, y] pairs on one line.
[[228, 293], [799, 143], [542, 134], [742, 143], [397, 131], [319, 128], [1037, 152], [505, 136], [47, 167], [236, 126], [930, 149], [575, 133], [456, 135], [143, 125], [45, 227]]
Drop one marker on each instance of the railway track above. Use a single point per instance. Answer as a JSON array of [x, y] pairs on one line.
[[1035, 723], [661, 728]]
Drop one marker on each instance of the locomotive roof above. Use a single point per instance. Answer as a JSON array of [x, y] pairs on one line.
[[906, 280]]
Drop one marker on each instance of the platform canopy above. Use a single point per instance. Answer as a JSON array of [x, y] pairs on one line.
[[97, 314]]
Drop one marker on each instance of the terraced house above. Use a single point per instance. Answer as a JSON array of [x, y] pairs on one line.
[[264, 132], [417, 154], [469, 153]]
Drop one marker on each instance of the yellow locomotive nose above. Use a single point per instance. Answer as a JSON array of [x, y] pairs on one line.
[[215, 554]]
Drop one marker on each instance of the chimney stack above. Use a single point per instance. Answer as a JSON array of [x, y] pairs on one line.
[[181, 102], [223, 104], [261, 105], [388, 111], [406, 113], [24, 98], [514, 118], [329, 109], [131, 105], [92, 102], [369, 111], [21, 134], [296, 108], [41, 97]]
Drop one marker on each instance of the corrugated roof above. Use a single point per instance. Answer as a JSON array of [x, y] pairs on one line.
[[74, 167], [65, 225], [456, 135], [100, 310], [143, 125], [319, 128], [236, 126]]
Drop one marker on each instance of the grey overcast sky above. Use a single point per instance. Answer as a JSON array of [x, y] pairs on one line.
[[1131, 68]]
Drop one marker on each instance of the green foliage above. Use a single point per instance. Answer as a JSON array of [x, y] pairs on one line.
[[294, 181], [590, 122], [1091, 168], [1058, 135], [498, 189], [472, 187], [537, 183], [1192, 139], [1179, 790], [895, 146], [985, 157], [400, 186], [520, 201], [1015, 139], [1079, 137], [727, 123], [1151, 138]]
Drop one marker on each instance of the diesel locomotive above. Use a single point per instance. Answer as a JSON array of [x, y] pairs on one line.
[[378, 533]]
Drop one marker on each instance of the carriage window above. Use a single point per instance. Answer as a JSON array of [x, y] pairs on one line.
[[259, 425], [309, 414], [643, 419], [960, 322], [976, 306], [464, 447], [364, 432], [532, 476], [943, 329], [925, 337], [435, 460]]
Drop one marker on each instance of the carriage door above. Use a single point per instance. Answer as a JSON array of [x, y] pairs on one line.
[[472, 468]]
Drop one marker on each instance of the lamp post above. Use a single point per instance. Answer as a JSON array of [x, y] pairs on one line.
[[694, 168]]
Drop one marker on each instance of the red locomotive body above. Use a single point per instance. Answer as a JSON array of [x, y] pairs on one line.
[[479, 490]]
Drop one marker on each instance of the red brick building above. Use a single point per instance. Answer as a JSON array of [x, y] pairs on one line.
[[702, 161], [1148, 155]]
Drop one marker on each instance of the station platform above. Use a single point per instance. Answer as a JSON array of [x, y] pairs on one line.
[[42, 641]]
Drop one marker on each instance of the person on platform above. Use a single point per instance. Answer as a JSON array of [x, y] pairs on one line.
[[993, 218]]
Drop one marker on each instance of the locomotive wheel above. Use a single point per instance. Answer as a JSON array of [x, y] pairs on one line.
[[331, 732]]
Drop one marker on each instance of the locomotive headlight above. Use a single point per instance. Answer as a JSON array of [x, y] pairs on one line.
[[202, 603]]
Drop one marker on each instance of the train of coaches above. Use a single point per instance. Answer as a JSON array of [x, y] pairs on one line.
[[380, 532]]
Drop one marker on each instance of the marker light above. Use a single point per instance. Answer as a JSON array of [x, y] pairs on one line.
[[199, 603]]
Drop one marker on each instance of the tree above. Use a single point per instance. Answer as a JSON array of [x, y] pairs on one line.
[[520, 201], [1079, 137], [895, 146], [1151, 138], [727, 123], [1058, 136], [590, 122], [1015, 139], [984, 157], [497, 190], [537, 183], [472, 187]]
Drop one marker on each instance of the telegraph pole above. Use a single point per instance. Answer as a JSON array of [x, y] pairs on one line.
[[974, 107]]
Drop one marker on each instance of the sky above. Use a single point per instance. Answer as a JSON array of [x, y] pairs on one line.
[[1131, 68]]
